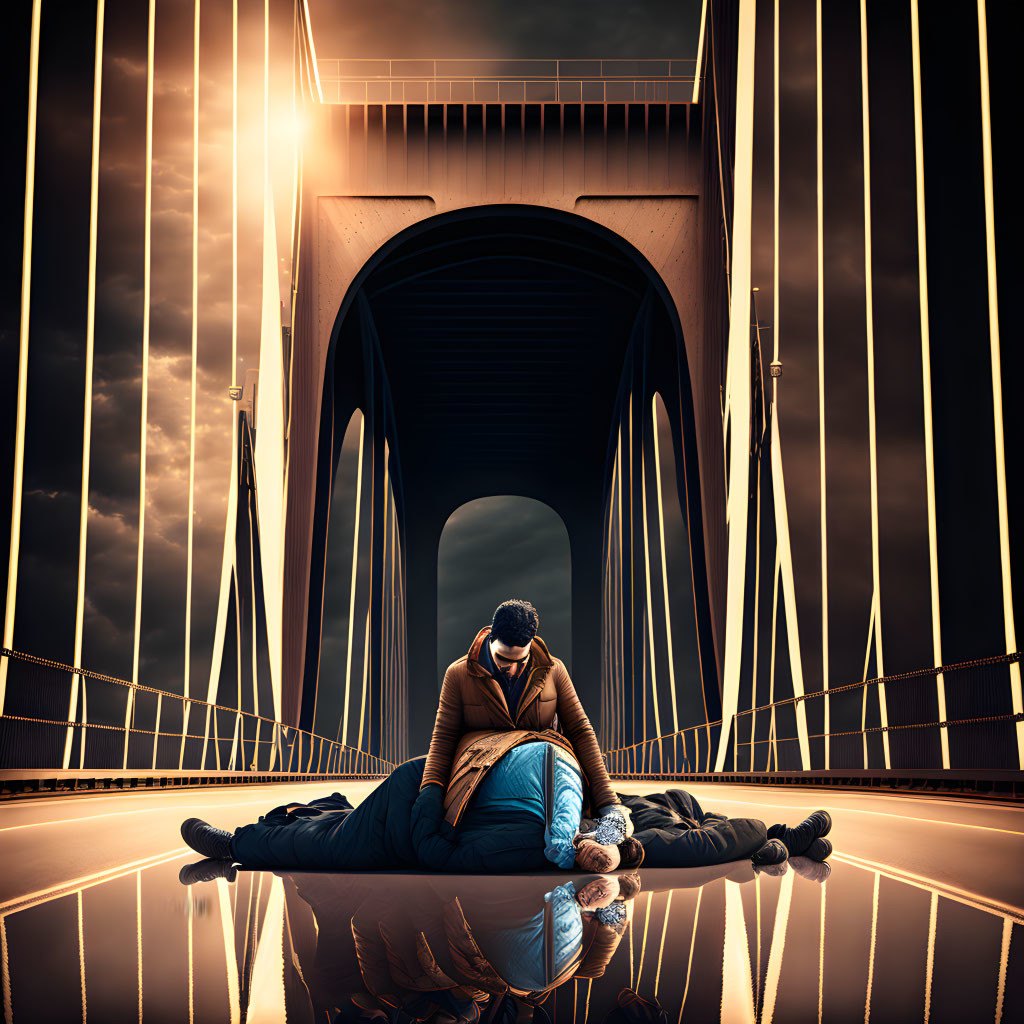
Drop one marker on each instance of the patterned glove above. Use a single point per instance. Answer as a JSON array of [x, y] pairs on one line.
[[621, 810], [610, 829], [614, 914]]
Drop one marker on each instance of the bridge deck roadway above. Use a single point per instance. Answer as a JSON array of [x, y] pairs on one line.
[[920, 915], [967, 845]]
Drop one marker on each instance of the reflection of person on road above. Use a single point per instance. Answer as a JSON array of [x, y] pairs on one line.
[[672, 830], [453, 951]]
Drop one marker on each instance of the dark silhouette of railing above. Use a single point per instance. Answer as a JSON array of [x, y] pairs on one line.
[[767, 739], [123, 727]]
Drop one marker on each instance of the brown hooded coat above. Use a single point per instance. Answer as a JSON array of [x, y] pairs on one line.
[[472, 703]]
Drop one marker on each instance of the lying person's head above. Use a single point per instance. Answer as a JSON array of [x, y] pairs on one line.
[[596, 857]]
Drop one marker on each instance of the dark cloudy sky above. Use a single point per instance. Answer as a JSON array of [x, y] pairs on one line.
[[506, 28], [491, 550]]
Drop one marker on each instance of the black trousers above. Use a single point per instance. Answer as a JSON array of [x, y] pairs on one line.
[[676, 832]]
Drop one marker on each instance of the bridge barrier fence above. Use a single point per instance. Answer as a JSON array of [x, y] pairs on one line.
[[507, 81], [980, 725], [122, 726], [688, 751], [882, 724]]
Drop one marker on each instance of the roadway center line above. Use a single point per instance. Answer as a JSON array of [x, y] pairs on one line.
[[883, 814], [77, 798], [114, 814]]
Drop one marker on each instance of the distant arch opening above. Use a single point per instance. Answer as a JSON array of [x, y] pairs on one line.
[[495, 548]]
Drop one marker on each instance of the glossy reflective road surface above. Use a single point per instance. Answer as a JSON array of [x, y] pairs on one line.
[[919, 919]]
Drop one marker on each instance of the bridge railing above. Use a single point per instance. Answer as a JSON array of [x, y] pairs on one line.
[[689, 751], [506, 81], [874, 725], [890, 722], [122, 726]]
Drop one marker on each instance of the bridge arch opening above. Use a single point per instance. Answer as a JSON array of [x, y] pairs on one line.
[[495, 548], [494, 349]]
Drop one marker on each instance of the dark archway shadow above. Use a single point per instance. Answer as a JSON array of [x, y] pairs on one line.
[[486, 347]]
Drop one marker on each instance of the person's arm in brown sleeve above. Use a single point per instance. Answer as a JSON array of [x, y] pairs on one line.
[[447, 730], [577, 727]]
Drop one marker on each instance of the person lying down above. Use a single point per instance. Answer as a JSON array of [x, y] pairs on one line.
[[516, 802]]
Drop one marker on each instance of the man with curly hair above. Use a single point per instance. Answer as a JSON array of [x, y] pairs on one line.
[[508, 681]]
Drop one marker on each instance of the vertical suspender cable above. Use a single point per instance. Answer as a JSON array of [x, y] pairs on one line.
[[739, 374], [144, 418], [23, 331], [784, 553], [869, 317], [997, 380], [926, 379], [821, 380], [195, 360], [90, 326]]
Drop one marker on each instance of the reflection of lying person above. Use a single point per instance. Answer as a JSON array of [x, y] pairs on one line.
[[441, 950], [519, 811]]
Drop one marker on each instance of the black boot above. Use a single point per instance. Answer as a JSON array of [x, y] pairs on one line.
[[773, 852], [207, 840], [207, 871], [818, 850], [799, 838]]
